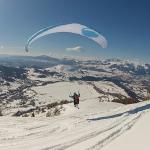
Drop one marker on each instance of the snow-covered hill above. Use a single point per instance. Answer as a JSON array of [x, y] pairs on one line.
[[137, 138], [37, 112], [113, 80], [93, 126]]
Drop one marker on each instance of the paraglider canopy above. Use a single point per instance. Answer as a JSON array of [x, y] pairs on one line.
[[69, 28]]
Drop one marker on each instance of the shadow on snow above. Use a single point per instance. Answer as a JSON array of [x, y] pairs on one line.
[[130, 112]]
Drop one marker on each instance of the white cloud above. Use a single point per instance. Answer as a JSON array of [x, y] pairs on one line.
[[74, 49]]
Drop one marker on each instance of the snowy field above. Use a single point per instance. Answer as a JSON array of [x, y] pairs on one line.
[[94, 126], [61, 91], [136, 139]]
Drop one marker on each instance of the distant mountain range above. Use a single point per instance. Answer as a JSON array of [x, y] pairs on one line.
[[131, 77], [103, 65]]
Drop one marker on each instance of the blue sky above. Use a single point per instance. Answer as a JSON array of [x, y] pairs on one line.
[[124, 23]]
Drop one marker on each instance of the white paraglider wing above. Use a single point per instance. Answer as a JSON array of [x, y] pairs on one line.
[[71, 28]]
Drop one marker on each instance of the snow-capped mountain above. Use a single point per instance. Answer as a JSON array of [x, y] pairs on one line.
[[37, 112], [113, 79]]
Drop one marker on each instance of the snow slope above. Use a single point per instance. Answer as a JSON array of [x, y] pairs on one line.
[[136, 139], [61, 90], [93, 126]]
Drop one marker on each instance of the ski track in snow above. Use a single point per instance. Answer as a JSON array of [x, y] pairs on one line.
[[75, 129], [116, 129]]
